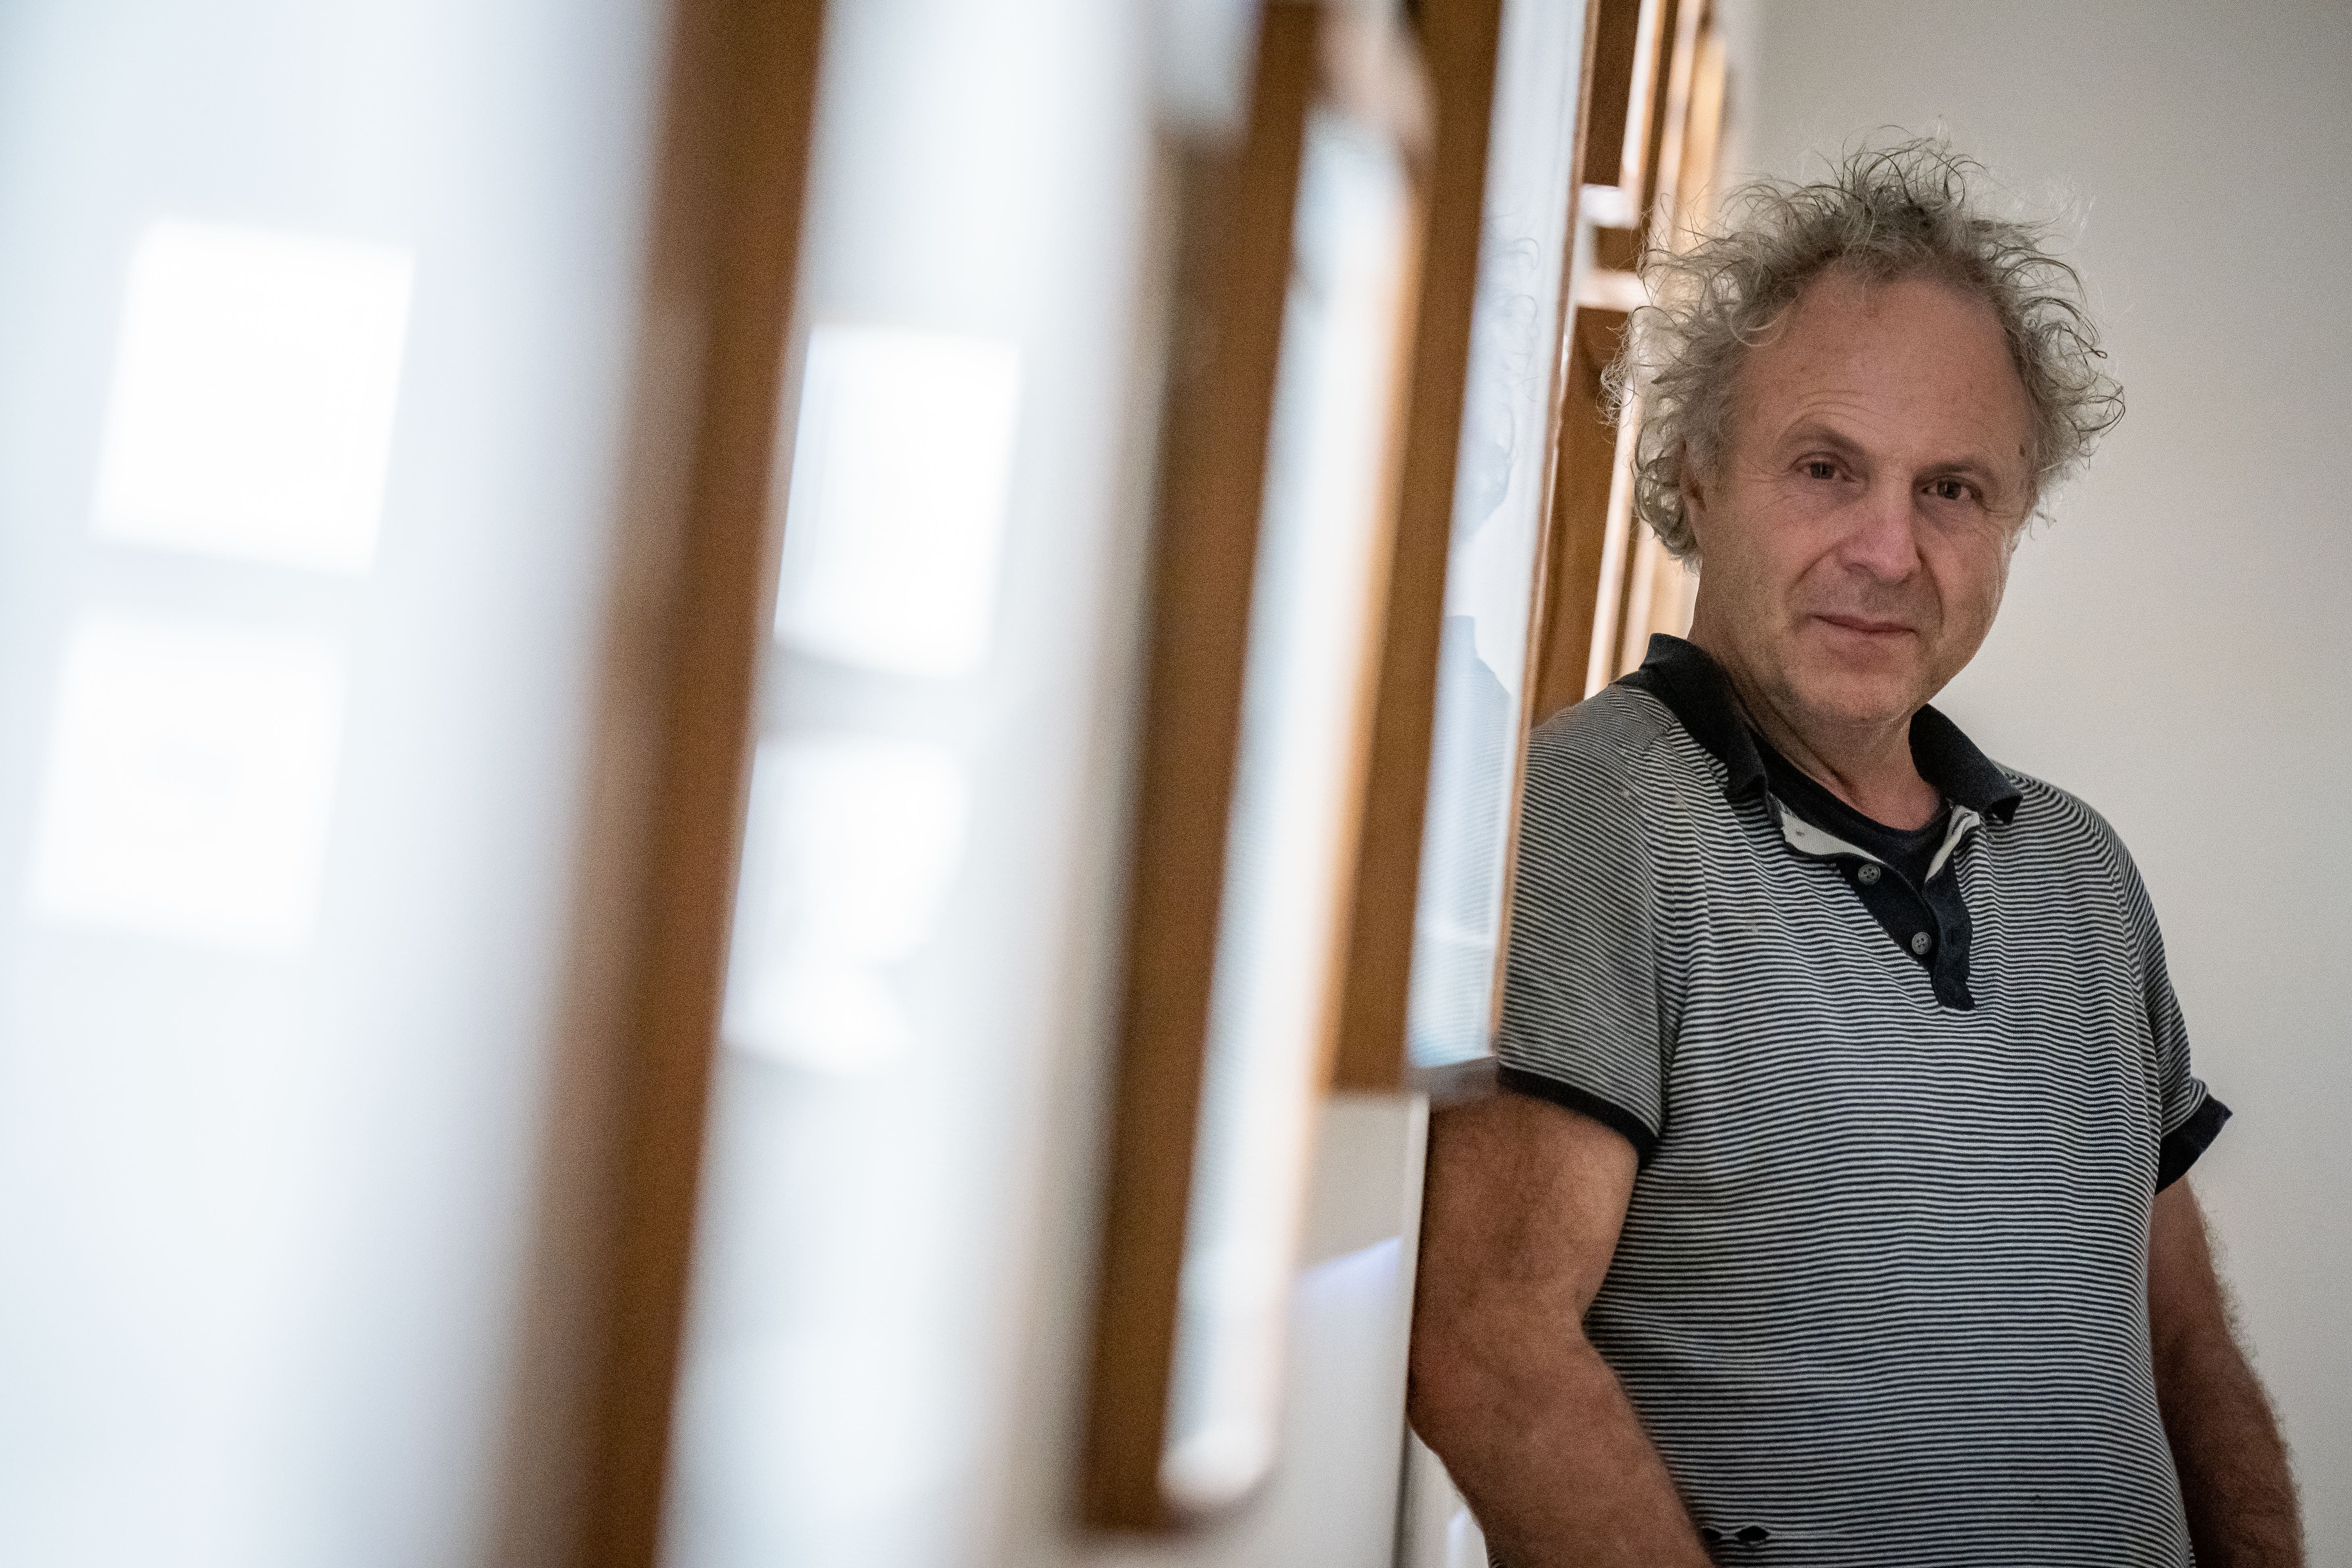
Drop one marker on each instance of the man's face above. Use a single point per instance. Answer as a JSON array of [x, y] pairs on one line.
[[1856, 532]]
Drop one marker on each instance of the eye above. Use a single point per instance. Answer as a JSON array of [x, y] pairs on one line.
[[1819, 469], [1948, 488]]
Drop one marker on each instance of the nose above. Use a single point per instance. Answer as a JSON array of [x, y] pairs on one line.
[[1880, 540]]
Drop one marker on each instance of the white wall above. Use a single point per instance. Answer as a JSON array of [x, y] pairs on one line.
[[875, 1236], [275, 1074], [2176, 648]]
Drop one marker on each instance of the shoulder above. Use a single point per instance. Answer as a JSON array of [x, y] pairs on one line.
[[2057, 824], [1614, 735], [1601, 777], [2059, 816]]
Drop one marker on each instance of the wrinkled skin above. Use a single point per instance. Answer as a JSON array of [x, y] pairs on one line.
[[1856, 529]]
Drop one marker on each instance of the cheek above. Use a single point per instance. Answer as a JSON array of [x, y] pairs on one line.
[[1776, 544], [1972, 580]]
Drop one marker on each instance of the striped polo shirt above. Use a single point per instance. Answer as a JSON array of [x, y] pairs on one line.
[[1880, 1296]]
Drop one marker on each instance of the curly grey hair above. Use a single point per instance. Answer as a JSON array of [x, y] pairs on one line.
[[1885, 214]]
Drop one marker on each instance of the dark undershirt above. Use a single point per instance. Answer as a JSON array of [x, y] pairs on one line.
[[1909, 853]]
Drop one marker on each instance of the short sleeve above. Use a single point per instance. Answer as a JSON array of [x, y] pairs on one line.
[[2191, 1117], [1581, 1021]]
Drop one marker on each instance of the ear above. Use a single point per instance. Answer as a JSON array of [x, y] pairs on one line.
[[1695, 491]]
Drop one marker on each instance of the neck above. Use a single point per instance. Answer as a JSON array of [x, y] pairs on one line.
[[1867, 764]]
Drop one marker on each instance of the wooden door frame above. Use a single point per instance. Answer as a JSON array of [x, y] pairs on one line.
[[1235, 222], [689, 632], [1461, 42]]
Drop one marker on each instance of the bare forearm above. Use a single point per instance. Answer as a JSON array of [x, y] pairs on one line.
[[2235, 1479], [1523, 1208], [1556, 1466]]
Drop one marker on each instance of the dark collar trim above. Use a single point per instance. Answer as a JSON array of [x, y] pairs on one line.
[[1951, 761], [1686, 679]]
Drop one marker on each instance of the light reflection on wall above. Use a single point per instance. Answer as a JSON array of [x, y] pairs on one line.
[[317, 329], [191, 766], [896, 518], [878, 1291], [186, 794], [824, 1407], [190, 772], [850, 847], [253, 397]]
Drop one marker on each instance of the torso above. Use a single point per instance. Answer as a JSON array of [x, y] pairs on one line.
[[1880, 1291]]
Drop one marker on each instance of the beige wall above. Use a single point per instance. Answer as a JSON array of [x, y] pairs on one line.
[[2176, 648]]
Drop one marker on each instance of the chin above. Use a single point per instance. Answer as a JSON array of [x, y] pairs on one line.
[[1856, 697], [1857, 685]]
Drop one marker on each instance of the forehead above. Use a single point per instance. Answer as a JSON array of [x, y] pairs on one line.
[[1908, 363]]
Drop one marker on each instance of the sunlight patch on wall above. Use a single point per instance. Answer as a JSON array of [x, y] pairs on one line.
[[254, 391], [901, 471], [189, 782], [854, 843]]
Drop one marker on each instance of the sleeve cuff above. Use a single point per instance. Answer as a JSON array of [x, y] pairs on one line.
[[2185, 1142], [1615, 1117]]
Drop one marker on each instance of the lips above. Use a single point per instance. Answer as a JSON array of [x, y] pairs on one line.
[[1865, 625]]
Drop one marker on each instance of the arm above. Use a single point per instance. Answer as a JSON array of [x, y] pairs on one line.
[[2225, 1440], [1524, 1203]]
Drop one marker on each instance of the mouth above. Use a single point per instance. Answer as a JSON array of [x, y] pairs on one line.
[[1864, 626]]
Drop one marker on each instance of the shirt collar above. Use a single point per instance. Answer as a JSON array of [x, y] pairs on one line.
[[1682, 675]]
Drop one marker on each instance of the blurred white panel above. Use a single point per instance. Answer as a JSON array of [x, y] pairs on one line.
[[837, 1425], [873, 1327], [1498, 511], [253, 399], [1322, 564], [191, 770], [288, 1243], [900, 473], [852, 848]]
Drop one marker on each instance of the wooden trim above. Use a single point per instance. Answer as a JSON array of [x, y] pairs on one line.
[[1642, 574], [1603, 586], [1642, 170], [1652, 37], [1562, 648], [1616, 550], [1702, 137], [1616, 249], [1660, 202], [1234, 273], [741, 105], [1615, 31], [1460, 41]]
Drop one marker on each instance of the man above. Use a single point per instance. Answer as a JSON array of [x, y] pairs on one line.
[[1833, 1212]]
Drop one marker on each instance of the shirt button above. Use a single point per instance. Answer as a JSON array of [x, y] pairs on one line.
[[1867, 875], [1921, 943]]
